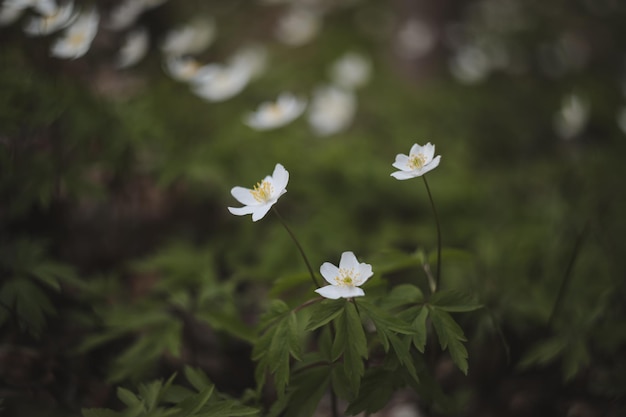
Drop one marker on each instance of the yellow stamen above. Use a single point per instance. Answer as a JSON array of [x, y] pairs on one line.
[[345, 278], [417, 161], [262, 191]]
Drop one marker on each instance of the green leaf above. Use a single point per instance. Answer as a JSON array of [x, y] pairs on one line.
[[454, 301], [543, 352], [383, 319], [191, 405], [375, 392], [351, 342], [306, 391], [31, 304], [323, 312], [576, 357], [419, 326], [197, 378], [150, 393], [450, 336], [127, 397], [403, 294]]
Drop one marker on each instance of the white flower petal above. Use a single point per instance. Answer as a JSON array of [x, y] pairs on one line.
[[260, 211], [365, 272], [403, 175], [415, 149], [280, 177], [429, 151], [241, 211], [244, 196], [334, 292], [329, 272], [348, 261]]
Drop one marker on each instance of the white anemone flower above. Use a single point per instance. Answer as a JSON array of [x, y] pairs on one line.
[[252, 58], [182, 68], [78, 36], [352, 70], [272, 115], [134, 48], [62, 17], [189, 39], [346, 279], [216, 82], [298, 27], [11, 10], [9, 14], [418, 162], [260, 199], [124, 14], [332, 110], [572, 117]]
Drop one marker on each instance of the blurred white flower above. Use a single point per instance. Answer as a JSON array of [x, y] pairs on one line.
[[414, 39], [260, 199], [78, 36], [572, 117], [62, 17], [332, 110], [124, 14], [470, 64], [346, 279], [298, 26], [271, 115], [11, 10], [134, 48], [182, 68], [216, 82], [191, 38], [9, 13], [418, 162], [252, 58], [352, 70]]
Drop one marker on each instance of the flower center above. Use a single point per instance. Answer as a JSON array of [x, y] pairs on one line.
[[262, 191], [77, 39], [345, 278], [417, 161]]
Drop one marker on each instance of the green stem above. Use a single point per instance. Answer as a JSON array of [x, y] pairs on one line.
[[568, 273], [432, 205], [295, 240]]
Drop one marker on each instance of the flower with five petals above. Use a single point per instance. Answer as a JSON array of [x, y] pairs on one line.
[[418, 162], [346, 279], [260, 199]]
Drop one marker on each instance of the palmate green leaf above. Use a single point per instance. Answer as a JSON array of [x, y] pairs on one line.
[[29, 303], [377, 387], [544, 352], [306, 391], [323, 312], [450, 336], [383, 319], [128, 397], [276, 346], [454, 301], [350, 342], [191, 405], [419, 326], [403, 294], [197, 378]]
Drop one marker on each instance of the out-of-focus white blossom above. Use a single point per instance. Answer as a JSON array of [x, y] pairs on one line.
[[252, 58], [182, 68], [9, 14], [11, 10], [350, 71], [572, 117], [332, 110], [470, 64], [124, 14], [298, 26], [62, 17], [191, 38], [216, 82], [414, 39], [272, 115], [134, 48], [78, 37]]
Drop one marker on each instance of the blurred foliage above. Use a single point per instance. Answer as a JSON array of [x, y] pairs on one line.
[[120, 263]]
